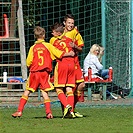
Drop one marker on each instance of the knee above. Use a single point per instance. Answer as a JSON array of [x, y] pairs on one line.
[[81, 86]]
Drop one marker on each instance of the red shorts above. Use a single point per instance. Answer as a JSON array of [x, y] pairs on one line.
[[39, 80], [64, 74], [79, 75]]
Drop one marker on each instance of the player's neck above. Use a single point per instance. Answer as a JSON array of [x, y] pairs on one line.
[[40, 39]]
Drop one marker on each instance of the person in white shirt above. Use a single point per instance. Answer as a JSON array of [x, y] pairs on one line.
[[92, 61]]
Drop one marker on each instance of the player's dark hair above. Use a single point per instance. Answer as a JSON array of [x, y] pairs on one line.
[[68, 16], [58, 27]]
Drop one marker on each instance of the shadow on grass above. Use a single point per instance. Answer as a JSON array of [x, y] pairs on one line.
[[42, 117]]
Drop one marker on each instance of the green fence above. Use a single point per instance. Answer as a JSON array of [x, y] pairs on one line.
[[105, 22], [117, 39]]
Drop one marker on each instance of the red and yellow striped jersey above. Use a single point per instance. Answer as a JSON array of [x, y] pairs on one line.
[[62, 43], [75, 36], [77, 39], [41, 54]]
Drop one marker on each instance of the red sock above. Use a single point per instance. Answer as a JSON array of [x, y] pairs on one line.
[[47, 106], [70, 99], [22, 103], [81, 97], [62, 98], [78, 97]]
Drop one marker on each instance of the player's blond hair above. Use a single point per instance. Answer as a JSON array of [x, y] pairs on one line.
[[39, 32]]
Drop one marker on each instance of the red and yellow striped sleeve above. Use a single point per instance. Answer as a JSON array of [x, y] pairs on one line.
[[52, 40], [75, 36], [55, 53], [78, 38]]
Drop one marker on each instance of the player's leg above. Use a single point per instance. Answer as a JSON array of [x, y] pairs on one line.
[[63, 100], [70, 99], [46, 86], [78, 97], [31, 86], [62, 106], [78, 94], [21, 105], [47, 105]]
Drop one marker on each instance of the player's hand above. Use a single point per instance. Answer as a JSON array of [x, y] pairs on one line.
[[72, 44], [72, 53], [76, 27]]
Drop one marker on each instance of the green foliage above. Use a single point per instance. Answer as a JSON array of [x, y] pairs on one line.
[[31, 12], [96, 120]]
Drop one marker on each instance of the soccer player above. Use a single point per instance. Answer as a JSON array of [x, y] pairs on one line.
[[39, 62], [64, 75], [72, 33]]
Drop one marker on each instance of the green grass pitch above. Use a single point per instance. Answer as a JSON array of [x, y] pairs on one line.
[[116, 119]]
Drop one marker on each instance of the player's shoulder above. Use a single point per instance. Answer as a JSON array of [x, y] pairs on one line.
[[76, 29], [46, 44], [72, 32], [52, 40]]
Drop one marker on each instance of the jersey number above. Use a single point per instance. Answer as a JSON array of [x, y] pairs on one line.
[[41, 58], [63, 44]]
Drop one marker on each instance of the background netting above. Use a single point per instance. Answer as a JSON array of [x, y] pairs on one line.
[[90, 22], [118, 40]]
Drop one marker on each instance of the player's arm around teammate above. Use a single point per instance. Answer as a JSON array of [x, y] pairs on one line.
[[39, 62], [64, 74]]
